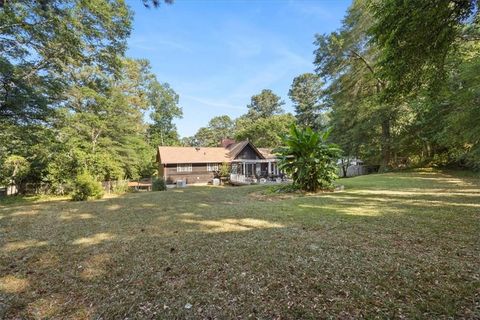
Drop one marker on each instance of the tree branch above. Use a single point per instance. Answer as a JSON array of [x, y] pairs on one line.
[[367, 64], [359, 56], [23, 23]]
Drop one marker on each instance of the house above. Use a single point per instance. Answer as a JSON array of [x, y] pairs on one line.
[[199, 164]]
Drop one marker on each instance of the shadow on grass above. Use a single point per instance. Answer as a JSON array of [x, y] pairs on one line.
[[357, 253]]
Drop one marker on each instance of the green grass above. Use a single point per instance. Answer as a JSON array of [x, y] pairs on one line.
[[19, 199], [398, 245]]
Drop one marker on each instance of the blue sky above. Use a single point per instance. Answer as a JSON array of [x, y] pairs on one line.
[[217, 54]]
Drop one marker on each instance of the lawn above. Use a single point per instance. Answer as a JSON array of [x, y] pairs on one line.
[[399, 245]]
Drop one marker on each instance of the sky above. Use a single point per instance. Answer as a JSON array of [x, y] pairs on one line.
[[216, 54]]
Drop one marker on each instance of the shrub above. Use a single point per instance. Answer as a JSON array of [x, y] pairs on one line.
[[120, 186], [159, 184], [309, 159], [224, 170], [86, 187]]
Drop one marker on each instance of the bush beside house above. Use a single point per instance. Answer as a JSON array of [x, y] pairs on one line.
[[85, 187], [159, 184]]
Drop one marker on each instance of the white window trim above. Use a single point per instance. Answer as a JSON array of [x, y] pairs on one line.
[[184, 167], [212, 167]]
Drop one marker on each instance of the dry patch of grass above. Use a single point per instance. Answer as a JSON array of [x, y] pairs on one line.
[[400, 245]]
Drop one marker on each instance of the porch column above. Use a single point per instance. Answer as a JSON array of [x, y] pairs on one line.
[[244, 173], [269, 171]]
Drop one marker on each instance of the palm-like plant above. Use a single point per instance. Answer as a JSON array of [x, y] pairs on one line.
[[309, 159]]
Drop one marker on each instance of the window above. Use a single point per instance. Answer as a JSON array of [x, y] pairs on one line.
[[212, 167], [181, 167]]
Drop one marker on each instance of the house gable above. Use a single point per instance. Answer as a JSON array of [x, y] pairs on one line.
[[247, 152]]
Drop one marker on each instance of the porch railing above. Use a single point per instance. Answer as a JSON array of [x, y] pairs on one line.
[[234, 177]]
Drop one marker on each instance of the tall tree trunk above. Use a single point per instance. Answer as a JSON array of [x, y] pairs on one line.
[[386, 144]]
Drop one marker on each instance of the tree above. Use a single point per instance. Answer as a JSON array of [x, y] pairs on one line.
[[306, 93], [164, 109], [15, 169], [433, 73], [265, 104], [70, 101], [263, 132], [345, 59], [102, 123], [416, 38], [399, 93], [218, 128], [39, 38], [189, 142], [309, 159]]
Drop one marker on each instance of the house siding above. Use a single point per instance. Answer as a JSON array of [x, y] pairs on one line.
[[199, 173]]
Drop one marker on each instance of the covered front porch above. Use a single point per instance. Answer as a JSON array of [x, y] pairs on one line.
[[246, 171]]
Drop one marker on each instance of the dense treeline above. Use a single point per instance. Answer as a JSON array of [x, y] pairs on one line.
[[71, 101], [403, 82]]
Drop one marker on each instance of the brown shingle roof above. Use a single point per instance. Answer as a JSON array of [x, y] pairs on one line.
[[169, 155], [193, 155]]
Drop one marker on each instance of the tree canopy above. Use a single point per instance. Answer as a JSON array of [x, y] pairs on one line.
[[395, 86], [264, 105], [306, 93], [70, 99]]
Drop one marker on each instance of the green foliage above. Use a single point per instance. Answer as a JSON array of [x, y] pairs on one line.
[[86, 187], [306, 93], [362, 125], [39, 38], [264, 124], [15, 169], [164, 104], [264, 132], [159, 184], [224, 170], [218, 128], [264, 105], [70, 101], [309, 159], [189, 142], [398, 93], [120, 186], [416, 37], [103, 125]]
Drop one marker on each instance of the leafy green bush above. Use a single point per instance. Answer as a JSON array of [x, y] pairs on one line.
[[120, 186], [224, 170], [309, 159], [159, 184], [86, 187]]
